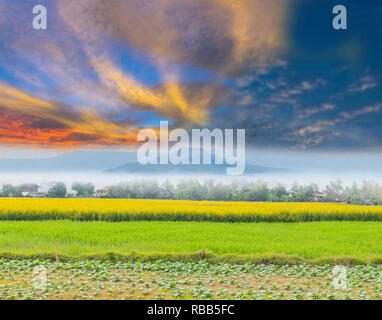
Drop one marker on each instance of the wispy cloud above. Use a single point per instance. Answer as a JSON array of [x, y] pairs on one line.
[[307, 112], [363, 111], [363, 84], [323, 130]]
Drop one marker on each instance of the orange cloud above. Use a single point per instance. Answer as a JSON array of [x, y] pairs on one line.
[[31, 120], [183, 102], [21, 129]]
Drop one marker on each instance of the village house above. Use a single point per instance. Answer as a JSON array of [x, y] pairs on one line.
[[101, 192], [31, 190], [290, 193], [72, 193], [318, 196], [29, 187]]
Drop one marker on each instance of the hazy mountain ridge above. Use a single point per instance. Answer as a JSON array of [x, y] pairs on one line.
[[81, 161], [116, 162], [137, 168]]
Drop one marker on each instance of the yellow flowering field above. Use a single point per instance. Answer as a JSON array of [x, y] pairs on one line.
[[176, 210]]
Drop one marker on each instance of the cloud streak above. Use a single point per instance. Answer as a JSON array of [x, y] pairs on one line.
[[49, 123]]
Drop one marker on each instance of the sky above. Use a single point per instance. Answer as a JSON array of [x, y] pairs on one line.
[[105, 69]]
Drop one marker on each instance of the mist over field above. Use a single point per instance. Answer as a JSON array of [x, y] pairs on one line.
[[286, 167]]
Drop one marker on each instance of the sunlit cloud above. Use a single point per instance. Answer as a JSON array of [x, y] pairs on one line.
[[31, 120], [214, 35], [224, 36]]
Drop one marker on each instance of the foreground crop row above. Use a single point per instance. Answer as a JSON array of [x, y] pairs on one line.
[[113, 210], [39, 279]]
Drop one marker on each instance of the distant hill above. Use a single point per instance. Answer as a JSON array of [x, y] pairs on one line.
[[81, 161], [212, 169], [215, 169], [114, 162]]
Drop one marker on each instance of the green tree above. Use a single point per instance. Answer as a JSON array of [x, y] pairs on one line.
[[353, 194], [120, 190], [58, 190], [11, 191], [257, 192], [83, 189], [219, 192], [150, 189], [167, 190], [334, 191], [278, 192]]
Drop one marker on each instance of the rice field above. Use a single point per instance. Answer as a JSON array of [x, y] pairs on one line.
[[115, 210], [348, 242]]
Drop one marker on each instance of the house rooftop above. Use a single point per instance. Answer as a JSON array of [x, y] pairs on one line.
[[29, 185]]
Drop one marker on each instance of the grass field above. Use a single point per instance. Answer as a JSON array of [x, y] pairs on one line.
[[113, 210], [345, 242]]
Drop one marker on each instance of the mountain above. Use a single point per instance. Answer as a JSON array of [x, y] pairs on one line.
[[81, 161], [119, 162], [215, 169]]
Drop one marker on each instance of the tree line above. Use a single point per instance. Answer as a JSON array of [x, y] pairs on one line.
[[192, 189], [56, 190], [367, 192]]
